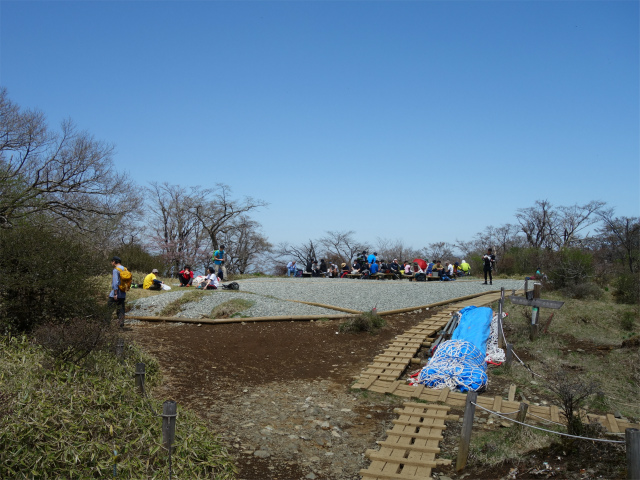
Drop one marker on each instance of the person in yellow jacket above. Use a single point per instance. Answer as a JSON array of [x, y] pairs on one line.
[[151, 282], [465, 267]]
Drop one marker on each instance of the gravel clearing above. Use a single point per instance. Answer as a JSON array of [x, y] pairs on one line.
[[269, 295]]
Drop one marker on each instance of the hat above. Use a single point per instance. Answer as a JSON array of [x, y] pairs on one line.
[[116, 259], [155, 270], [343, 265]]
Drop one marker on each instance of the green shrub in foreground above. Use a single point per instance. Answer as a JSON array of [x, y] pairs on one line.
[[56, 421]]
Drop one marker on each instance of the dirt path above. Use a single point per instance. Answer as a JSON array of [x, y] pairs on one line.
[[278, 392]]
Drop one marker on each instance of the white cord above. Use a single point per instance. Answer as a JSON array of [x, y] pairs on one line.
[[545, 430]]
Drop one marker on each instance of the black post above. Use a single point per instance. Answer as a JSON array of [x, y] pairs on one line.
[[140, 372], [169, 413], [465, 435], [632, 437]]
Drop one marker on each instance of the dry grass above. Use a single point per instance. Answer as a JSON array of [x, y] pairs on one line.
[[175, 306], [230, 308]]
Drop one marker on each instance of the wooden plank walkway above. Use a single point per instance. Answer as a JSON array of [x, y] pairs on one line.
[[383, 375], [409, 451], [391, 364]]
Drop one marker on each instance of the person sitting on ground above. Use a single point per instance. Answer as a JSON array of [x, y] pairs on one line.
[[186, 276], [151, 282], [375, 267], [465, 267], [211, 281]]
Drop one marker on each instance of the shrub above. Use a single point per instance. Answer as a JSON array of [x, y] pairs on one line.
[[45, 277], [571, 392], [571, 267], [72, 340], [365, 322], [628, 320], [627, 288], [135, 257], [583, 291], [66, 421]]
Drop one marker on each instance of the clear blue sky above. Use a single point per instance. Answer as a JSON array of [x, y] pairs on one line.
[[421, 120]]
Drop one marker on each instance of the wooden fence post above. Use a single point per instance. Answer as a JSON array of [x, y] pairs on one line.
[[119, 347], [500, 310], [140, 372], [509, 355], [535, 312], [465, 435], [522, 414], [632, 437], [169, 413]]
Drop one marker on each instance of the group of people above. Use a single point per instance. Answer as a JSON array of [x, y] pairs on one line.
[[367, 264], [121, 280]]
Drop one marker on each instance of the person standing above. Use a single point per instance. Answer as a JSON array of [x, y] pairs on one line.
[[219, 261], [489, 260], [117, 295]]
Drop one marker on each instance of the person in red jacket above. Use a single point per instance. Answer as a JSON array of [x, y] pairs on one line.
[[186, 276]]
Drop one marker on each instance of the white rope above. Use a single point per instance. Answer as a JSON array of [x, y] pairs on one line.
[[544, 419], [494, 353], [545, 430]]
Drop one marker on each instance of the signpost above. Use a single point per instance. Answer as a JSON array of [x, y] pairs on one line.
[[533, 300]]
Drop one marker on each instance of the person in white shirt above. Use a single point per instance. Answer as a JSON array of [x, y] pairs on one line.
[[211, 281]]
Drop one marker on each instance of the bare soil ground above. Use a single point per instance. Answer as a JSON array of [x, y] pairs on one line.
[[279, 395]]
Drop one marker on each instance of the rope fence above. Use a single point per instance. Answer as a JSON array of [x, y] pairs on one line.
[[544, 429]]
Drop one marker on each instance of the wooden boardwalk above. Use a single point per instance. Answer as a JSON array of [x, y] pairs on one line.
[[383, 375], [409, 451]]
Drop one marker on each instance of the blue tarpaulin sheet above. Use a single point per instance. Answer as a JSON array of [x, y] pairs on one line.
[[474, 327]]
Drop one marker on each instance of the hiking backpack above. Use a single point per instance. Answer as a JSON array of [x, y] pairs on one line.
[[125, 279]]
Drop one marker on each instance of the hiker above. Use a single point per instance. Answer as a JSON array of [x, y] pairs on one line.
[[291, 268], [323, 266], [372, 258], [374, 267], [150, 282], [407, 268], [309, 267], [344, 270], [394, 266], [465, 267], [489, 260], [211, 281], [186, 276], [333, 271], [219, 261], [315, 270], [117, 296]]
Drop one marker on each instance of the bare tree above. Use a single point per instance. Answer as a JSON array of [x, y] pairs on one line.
[[244, 245], [572, 220], [301, 253], [538, 223], [439, 251], [622, 236], [216, 211], [67, 175], [177, 234], [389, 249], [342, 245]]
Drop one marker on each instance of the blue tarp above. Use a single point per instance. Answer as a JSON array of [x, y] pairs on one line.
[[461, 360], [474, 327]]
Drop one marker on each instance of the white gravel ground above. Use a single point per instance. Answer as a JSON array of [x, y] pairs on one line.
[[270, 295]]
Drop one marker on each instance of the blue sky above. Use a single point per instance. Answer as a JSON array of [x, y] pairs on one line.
[[420, 120]]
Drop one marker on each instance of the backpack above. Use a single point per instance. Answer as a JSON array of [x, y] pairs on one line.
[[125, 279], [420, 277], [231, 286]]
